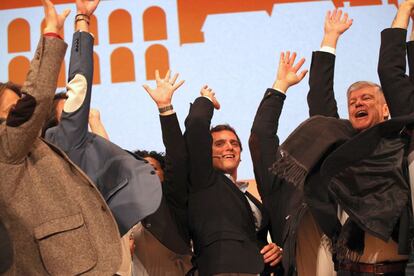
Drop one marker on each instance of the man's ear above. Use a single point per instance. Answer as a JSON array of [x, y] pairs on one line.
[[385, 111]]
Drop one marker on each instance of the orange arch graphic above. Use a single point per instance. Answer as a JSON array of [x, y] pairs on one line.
[[120, 27], [18, 34], [43, 25], [96, 69], [155, 24], [122, 65], [93, 28], [156, 58], [18, 68]]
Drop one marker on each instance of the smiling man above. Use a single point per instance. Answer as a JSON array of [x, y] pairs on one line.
[[226, 149], [228, 225], [367, 108], [366, 105]]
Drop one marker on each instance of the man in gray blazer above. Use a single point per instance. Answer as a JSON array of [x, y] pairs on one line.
[[130, 186], [56, 220]]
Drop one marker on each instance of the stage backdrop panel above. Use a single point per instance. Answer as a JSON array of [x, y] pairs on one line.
[[231, 45]]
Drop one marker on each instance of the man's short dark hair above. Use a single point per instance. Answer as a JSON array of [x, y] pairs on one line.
[[159, 156], [16, 88], [222, 127]]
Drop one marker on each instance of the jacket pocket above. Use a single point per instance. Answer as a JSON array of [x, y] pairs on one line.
[[65, 246]]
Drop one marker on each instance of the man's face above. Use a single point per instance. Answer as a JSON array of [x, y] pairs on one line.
[[226, 151], [8, 100], [366, 108], [157, 167]]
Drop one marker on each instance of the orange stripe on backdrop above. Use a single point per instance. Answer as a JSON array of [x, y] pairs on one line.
[[193, 13], [18, 34], [15, 4], [122, 65]]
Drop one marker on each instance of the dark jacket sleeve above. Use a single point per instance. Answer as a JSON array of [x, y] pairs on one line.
[[397, 86], [73, 127], [264, 142], [321, 98], [199, 141], [25, 121], [410, 58], [175, 187]]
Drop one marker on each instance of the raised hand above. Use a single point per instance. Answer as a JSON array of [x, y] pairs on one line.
[[287, 73], [86, 7], [405, 11], [337, 22], [209, 93], [162, 94], [54, 21]]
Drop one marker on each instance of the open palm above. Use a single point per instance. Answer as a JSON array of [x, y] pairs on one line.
[[162, 94]]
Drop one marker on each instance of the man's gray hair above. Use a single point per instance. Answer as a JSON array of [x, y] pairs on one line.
[[362, 84]]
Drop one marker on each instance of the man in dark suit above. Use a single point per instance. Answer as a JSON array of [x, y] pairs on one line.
[[366, 108], [162, 241], [277, 197], [398, 87], [228, 225]]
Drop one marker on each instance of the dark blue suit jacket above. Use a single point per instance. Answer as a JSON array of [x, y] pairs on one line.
[[130, 186]]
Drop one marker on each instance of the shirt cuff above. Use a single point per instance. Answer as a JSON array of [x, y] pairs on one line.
[[207, 98], [328, 49], [52, 35], [280, 90]]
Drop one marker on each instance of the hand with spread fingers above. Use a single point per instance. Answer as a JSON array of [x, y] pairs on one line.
[[209, 93], [54, 21], [287, 74], [162, 94], [272, 254], [336, 23]]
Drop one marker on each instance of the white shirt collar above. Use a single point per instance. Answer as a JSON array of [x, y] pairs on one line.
[[242, 185]]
